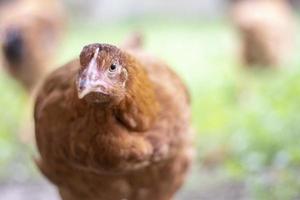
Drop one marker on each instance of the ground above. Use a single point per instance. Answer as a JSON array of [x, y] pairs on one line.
[[205, 189]]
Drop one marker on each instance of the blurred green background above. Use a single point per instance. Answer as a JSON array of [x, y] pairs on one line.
[[247, 121]]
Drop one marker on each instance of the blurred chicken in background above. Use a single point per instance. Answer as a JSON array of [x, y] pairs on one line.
[[134, 41], [267, 30], [30, 32]]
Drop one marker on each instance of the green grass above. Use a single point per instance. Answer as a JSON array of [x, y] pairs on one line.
[[252, 115]]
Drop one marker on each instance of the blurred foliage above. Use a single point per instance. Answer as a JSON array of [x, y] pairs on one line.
[[12, 106], [247, 119]]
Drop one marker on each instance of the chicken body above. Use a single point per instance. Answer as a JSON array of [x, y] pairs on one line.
[[267, 31], [136, 148], [30, 32]]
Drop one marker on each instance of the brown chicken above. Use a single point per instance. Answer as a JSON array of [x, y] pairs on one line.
[[114, 125], [267, 31], [30, 31]]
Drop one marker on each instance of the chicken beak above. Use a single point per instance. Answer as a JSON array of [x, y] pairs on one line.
[[91, 79], [90, 86]]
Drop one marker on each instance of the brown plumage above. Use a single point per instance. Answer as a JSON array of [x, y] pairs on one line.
[[114, 125], [30, 33], [267, 30]]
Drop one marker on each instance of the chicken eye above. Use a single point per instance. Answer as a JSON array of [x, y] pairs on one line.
[[113, 68]]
